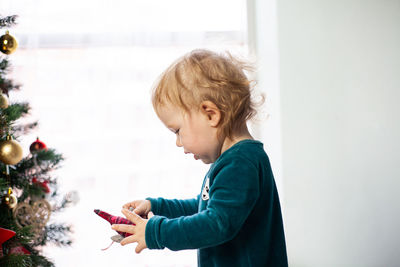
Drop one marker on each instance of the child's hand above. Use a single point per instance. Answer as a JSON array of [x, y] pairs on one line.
[[140, 207], [138, 230]]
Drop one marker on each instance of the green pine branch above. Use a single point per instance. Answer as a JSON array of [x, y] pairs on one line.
[[6, 85], [58, 234], [33, 260], [20, 130], [15, 111], [4, 67], [12, 260], [40, 165], [7, 21]]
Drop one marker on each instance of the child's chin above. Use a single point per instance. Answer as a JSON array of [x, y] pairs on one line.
[[206, 161]]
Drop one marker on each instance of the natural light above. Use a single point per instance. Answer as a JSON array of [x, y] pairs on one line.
[[86, 68]]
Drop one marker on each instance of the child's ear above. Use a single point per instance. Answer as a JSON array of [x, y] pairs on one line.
[[212, 112]]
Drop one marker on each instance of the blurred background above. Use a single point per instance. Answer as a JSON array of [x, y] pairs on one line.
[[330, 71]]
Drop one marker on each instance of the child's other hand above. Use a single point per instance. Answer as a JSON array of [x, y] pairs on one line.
[[140, 207], [138, 230]]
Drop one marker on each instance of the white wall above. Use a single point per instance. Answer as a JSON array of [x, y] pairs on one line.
[[263, 49], [340, 93]]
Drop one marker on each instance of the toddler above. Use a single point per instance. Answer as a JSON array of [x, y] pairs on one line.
[[204, 98]]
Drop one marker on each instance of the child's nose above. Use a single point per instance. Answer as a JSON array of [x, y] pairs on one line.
[[178, 142]]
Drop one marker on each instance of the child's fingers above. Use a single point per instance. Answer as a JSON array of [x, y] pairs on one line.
[[128, 205], [140, 247], [150, 214], [133, 217], [128, 240], [137, 208], [127, 228]]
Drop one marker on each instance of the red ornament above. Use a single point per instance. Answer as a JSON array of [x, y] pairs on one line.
[[44, 185], [5, 234], [114, 220], [37, 146]]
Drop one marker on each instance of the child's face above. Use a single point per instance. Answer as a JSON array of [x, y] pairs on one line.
[[194, 132]]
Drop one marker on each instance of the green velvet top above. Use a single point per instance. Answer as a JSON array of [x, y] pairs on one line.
[[236, 220]]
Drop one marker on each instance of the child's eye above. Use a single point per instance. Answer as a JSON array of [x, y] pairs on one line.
[[177, 131]]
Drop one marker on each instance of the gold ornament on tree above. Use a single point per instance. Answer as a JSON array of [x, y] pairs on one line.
[[10, 151], [3, 101], [10, 199], [8, 43]]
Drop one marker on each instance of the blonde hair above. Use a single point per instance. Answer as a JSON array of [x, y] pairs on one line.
[[203, 75]]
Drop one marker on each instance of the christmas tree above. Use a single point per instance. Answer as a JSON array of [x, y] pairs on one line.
[[28, 190]]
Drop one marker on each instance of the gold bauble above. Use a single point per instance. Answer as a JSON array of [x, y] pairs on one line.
[[3, 101], [11, 201], [10, 151], [8, 43]]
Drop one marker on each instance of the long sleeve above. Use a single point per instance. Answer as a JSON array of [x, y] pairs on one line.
[[234, 189], [174, 208]]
